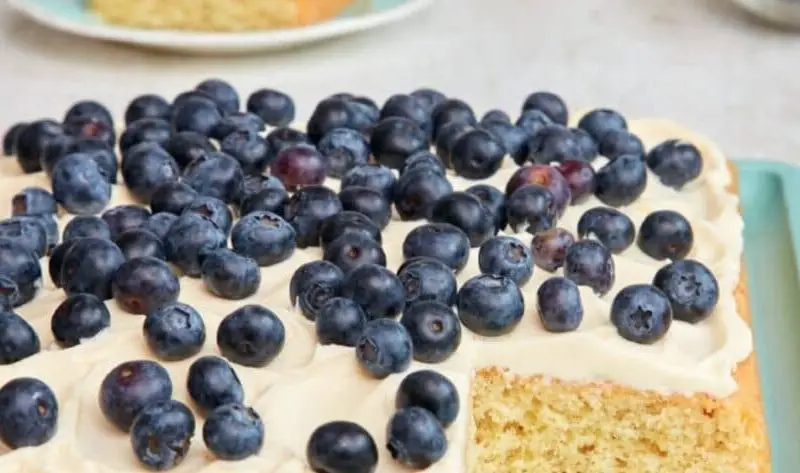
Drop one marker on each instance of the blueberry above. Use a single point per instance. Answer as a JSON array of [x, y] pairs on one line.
[[147, 106], [196, 114], [587, 145], [466, 212], [589, 263], [150, 169], [543, 175], [22, 267], [532, 121], [440, 241], [558, 303], [139, 243], [451, 110], [409, 107], [621, 181], [249, 148], [376, 289], [352, 250], [348, 222], [372, 176], [80, 317], [102, 153], [33, 201], [416, 193], [162, 434], [618, 142], [230, 275], [79, 185], [233, 432], [32, 141], [56, 259], [428, 279], [477, 154], [189, 239], [307, 210], [508, 257], [89, 266], [364, 114], [447, 137], [691, 288], [141, 285], [531, 208], [284, 137], [8, 292], [343, 149], [274, 107], [89, 129], [223, 94], [580, 178], [122, 218], [548, 103], [174, 331], [28, 231], [299, 166], [212, 382], [241, 122], [11, 137], [216, 211], [494, 202], [159, 224], [368, 202], [490, 305], [215, 175], [172, 197], [431, 391], [53, 150], [18, 340], [251, 335], [341, 447], [666, 234], [313, 284], [495, 115], [423, 160], [675, 162], [415, 438], [512, 137], [272, 200], [434, 329], [145, 130], [340, 322], [394, 139], [641, 313], [428, 98], [181, 98], [553, 144], [255, 183], [383, 348], [89, 109], [51, 230], [28, 413], [600, 120], [329, 114], [609, 226], [549, 248], [129, 388], [186, 146]]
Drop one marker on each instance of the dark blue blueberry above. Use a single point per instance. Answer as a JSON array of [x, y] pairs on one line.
[[101, 152], [146, 168], [189, 239], [272, 200], [299, 166], [665, 234], [307, 210], [531, 122], [384, 348], [609, 226], [159, 224], [440, 241], [89, 266], [284, 137], [348, 222], [256, 183], [586, 144], [29, 231], [181, 98], [162, 434], [553, 144], [447, 137], [249, 148], [18, 340], [378, 290], [196, 114], [174, 331], [33, 201], [8, 292], [172, 197], [495, 115], [477, 154], [274, 107], [417, 192], [621, 181], [239, 121], [580, 177], [21, 266], [434, 329], [494, 202], [341, 447], [140, 242], [431, 391], [89, 129], [394, 139], [415, 438], [54, 149], [79, 185], [212, 382], [89, 109], [129, 388], [340, 322], [641, 313], [187, 146], [233, 432], [550, 104], [616, 143], [57, 259], [33, 140], [230, 275], [675, 162], [79, 318], [28, 413], [216, 211], [531, 208], [691, 288], [508, 257], [451, 110], [10, 138], [343, 149], [466, 212], [329, 114], [125, 217], [263, 236], [215, 175], [512, 137], [51, 230], [313, 284], [364, 114], [428, 279], [368, 202], [147, 106], [589, 263], [601, 120], [141, 285], [223, 94], [251, 335], [408, 106], [558, 303], [490, 305], [549, 248], [88, 226], [372, 176], [424, 160], [145, 130], [428, 98], [353, 250]]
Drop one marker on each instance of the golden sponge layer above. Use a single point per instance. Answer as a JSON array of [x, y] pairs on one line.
[[217, 15]]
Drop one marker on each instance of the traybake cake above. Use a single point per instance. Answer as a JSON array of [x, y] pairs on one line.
[[533, 297]]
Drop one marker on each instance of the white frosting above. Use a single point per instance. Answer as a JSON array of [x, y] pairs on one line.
[[309, 384]]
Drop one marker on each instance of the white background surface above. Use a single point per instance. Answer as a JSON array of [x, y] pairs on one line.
[[702, 62]]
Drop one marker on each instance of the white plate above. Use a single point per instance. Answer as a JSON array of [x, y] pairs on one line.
[[72, 17]]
